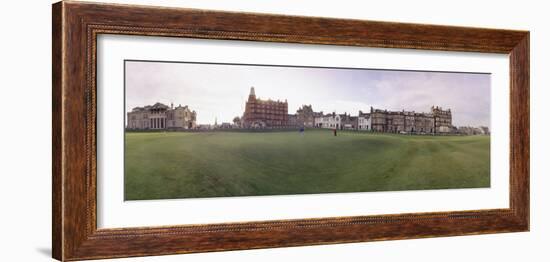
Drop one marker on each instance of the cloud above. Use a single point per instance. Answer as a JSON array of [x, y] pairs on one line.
[[220, 91]]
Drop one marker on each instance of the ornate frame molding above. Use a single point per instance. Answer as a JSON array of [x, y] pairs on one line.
[[76, 26]]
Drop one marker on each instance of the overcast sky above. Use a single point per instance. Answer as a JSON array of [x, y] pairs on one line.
[[220, 91]]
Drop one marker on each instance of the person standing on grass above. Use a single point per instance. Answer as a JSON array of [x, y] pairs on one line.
[[302, 131], [334, 131]]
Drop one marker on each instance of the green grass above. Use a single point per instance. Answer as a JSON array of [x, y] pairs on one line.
[[189, 165]]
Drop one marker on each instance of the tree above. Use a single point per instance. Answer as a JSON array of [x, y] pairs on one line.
[[237, 121]]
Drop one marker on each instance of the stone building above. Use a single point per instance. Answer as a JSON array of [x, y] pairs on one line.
[[363, 121], [264, 113], [331, 121], [293, 121], [438, 121], [139, 118], [181, 117], [390, 121], [337, 121], [443, 120], [160, 116], [305, 116], [348, 122]]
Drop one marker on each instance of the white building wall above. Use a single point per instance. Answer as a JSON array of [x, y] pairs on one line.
[[364, 123], [329, 122]]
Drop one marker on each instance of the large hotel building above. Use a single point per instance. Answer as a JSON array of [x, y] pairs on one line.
[[264, 113]]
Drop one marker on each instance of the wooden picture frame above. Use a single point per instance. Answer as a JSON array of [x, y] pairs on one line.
[[76, 26]]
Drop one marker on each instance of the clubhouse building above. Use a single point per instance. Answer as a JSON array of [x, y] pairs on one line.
[[161, 116]]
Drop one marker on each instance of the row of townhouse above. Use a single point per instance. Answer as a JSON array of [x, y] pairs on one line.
[[344, 121], [437, 121]]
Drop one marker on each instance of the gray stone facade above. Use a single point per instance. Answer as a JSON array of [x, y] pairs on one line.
[[437, 121], [305, 116], [160, 117]]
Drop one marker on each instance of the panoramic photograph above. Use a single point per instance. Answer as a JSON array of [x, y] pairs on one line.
[[201, 130]]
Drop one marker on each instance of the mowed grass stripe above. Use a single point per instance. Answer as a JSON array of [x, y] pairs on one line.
[[194, 165]]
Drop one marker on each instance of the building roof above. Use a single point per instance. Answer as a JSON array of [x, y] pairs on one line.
[[159, 105], [182, 107]]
